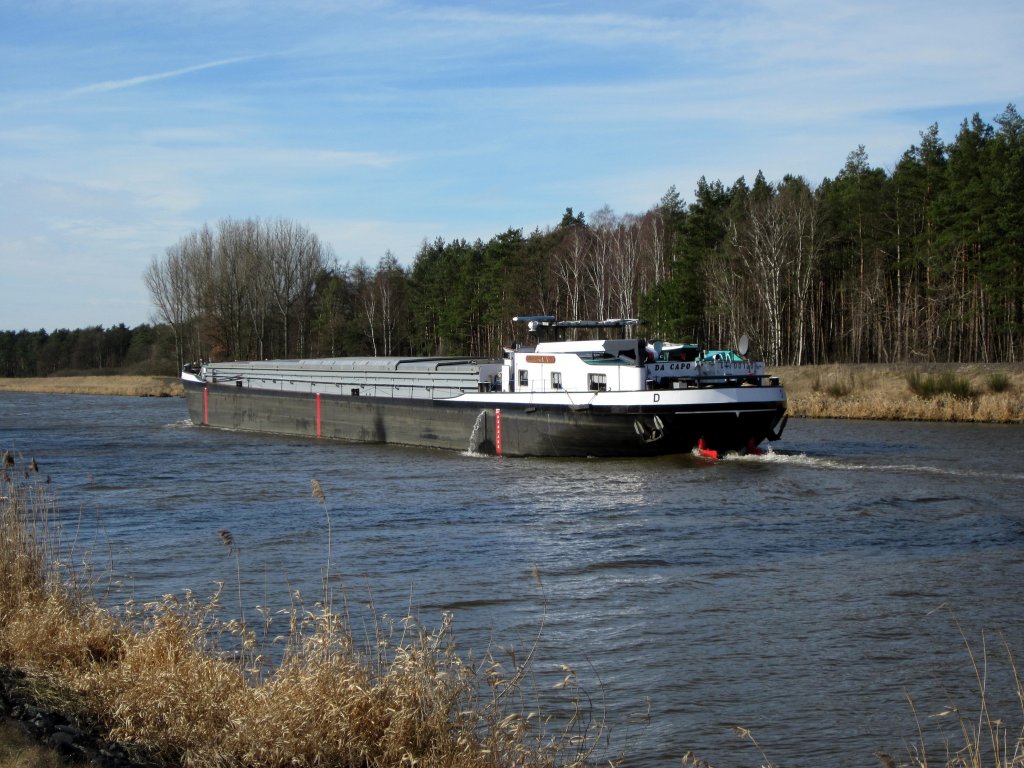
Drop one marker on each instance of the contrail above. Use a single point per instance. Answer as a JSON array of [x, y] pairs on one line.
[[116, 85]]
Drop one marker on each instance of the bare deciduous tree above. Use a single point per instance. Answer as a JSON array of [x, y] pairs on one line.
[[220, 291]]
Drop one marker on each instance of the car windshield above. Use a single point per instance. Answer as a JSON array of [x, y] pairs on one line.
[[723, 354]]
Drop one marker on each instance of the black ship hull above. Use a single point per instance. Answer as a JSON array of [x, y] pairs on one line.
[[498, 426]]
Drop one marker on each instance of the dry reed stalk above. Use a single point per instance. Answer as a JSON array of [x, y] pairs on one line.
[[228, 540], [983, 739], [319, 495]]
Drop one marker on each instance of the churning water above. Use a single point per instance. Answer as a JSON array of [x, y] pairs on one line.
[[803, 595]]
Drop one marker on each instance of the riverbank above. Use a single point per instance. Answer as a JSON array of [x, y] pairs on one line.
[[130, 386], [21, 749], [984, 393], [977, 392], [33, 736]]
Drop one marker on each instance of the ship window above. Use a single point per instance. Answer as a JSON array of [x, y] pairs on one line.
[[556, 380], [598, 382], [524, 378]]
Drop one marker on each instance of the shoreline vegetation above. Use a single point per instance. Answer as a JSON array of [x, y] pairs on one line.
[[969, 392], [974, 392], [129, 386]]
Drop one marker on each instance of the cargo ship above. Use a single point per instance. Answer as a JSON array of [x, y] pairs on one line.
[[605, 396]]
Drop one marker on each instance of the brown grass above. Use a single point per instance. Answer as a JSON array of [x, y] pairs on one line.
[[132, 386], [884, 392], [178, 685]]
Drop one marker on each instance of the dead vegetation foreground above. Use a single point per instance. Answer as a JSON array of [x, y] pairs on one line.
[[992, 393], [130, 386]]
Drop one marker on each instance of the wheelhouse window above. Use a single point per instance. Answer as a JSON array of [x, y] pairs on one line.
[[598, 382], [524, 378], [556, 380]]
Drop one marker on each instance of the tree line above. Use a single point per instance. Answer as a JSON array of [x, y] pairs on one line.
[[920, 262], [923, 262], [95, 350]]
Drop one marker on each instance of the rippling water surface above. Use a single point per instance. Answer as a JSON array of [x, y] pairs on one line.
[[802, 595]]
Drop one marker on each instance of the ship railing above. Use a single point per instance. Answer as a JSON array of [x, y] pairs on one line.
[[699, 381]]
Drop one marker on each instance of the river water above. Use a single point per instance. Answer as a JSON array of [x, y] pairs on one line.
[[803, 595]]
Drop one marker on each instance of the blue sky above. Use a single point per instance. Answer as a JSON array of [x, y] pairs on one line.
[[126, 124]]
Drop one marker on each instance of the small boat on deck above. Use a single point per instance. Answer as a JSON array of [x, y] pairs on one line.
[[606, 396]]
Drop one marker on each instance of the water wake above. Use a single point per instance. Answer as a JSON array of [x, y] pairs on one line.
[[831, 462]]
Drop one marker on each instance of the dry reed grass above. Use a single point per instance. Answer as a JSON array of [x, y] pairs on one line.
[[884, 392], [178, 685], [132, 386]]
